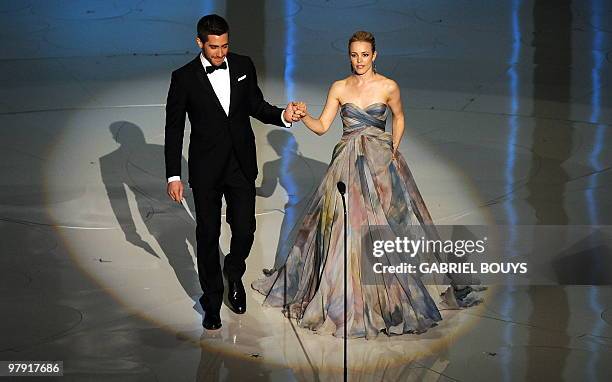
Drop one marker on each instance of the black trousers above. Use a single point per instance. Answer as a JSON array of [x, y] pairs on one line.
[[239, 195]]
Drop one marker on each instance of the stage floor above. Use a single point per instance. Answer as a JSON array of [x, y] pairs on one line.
[[507, 123]]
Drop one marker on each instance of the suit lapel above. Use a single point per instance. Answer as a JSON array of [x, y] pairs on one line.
[[200, 73], [233, 81]]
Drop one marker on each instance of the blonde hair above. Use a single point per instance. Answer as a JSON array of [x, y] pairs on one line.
[[362, 36]]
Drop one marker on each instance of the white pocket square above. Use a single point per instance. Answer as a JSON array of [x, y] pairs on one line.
[[242, 78]]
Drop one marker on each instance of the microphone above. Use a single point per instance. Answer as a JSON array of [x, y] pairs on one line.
[[341, 188]]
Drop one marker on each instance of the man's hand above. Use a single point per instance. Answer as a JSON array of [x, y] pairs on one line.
[[293, 113], [175, 190]]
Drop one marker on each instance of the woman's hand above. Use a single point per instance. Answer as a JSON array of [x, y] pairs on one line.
[[292, 113], [394, 151], [301, 109]]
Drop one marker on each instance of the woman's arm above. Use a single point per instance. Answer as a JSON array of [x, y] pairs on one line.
[[321, 125], [395, 103]]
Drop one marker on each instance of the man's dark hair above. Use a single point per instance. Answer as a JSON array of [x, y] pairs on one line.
[[211, 24]]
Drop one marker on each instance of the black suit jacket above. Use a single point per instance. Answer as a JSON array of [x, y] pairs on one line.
[[214, 135]]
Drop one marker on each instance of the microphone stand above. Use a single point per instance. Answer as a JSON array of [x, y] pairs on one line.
[[342, 190]]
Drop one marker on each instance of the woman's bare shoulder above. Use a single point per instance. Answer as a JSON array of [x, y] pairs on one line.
[[339, 84], [388, 83], [338, 87]]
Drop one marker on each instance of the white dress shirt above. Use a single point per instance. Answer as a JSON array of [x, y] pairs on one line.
[[220, 81]]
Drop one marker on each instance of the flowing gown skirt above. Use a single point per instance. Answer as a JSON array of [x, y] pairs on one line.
[[380, 192]]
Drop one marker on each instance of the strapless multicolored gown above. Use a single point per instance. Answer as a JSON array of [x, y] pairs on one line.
[[380, 192]]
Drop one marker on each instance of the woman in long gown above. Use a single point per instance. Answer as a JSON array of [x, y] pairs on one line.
[[380, 192]]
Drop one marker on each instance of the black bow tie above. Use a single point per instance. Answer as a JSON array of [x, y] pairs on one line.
[[212, 68]]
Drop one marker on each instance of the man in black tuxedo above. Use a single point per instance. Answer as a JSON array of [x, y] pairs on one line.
[[219, 92]]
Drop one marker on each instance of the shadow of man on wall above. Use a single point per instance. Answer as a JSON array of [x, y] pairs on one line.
[[138, 166]]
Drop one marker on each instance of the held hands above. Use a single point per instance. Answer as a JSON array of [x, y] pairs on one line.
[[295, 111], [302, 109]]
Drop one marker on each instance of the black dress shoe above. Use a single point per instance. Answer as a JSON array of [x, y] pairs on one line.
[[211, 321], [236, 296]]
